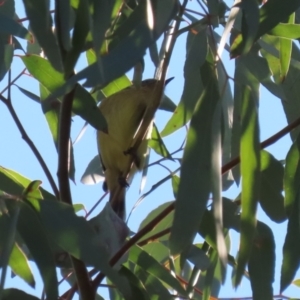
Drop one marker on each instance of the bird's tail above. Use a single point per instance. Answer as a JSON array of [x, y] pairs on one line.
[[117, 201]]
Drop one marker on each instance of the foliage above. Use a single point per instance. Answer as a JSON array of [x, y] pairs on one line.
[[221, 147]]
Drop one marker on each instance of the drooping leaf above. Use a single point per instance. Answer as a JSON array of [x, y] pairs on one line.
[[19, 264], [29, 94], [286, 51], [291, 248], [137, 287], [196, 50], [83, 103], [39, 16], [150, 265], [36, 240], [157, 144], [6, 55], [10, 26], [292, 177], [195, 183], [93, 172], [163, 224], [261, 263], [80, 32], [270, 14], [249, 28], [77, 237], [8, 224], [133, 46], [14, 183], [250, 167], [271, 187], [155, 288], [290, 86], [13, 294]]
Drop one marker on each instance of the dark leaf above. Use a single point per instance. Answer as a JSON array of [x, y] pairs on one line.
[[261, 263], [195, 183], [15, 294], [196, 50], [41, 24]]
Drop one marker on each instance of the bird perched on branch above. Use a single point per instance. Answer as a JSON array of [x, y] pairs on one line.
[[124, 112]]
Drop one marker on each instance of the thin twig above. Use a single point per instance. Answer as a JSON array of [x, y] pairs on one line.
[[13, 81], [31, 145], [171, 207]]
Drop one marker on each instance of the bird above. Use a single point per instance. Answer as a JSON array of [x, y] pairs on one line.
[[124, 112]]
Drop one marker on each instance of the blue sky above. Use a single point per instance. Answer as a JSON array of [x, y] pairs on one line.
[[15, 154]]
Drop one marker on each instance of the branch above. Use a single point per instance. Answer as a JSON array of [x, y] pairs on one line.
[[274, 138], [30, 144]]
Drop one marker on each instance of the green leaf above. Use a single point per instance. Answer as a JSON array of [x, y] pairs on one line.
[[250, 167], [14, 294], [195, 57], [271, 187], [163, 224], [261, 263], [273, 12], [286, 31], [36, 240], [32, 191], [250, 23], [270, 14], [64, 19], [93, 172], [116, 86], [195, 178], [102, 13], [154, 287], [291, 248], [6, 55], [290, 86], [14, 183], [286, 51], [210, 280], [198, 258], [51, 112], [77, 237], [10, 26], [29, 94], [158, 250], [83, 103], [8, 224], [80, 32], [167, 104], [137, 287], [39, 16], [129, 51], [175, 184], [150, 265], [292, 177], [19, 264], [157, 144]]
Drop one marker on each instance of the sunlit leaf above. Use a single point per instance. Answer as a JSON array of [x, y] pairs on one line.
[[250, 166], [195, 57], [291, 248]]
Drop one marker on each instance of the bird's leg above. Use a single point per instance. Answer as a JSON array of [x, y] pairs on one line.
[[123, 183], [131, 151]]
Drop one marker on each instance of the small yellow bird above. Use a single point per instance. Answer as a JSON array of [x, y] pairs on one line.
[[124, 112]]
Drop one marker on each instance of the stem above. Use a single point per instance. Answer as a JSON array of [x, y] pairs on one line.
[[30, 144]]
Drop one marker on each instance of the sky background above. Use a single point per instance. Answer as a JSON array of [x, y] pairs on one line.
[[16, 155]]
